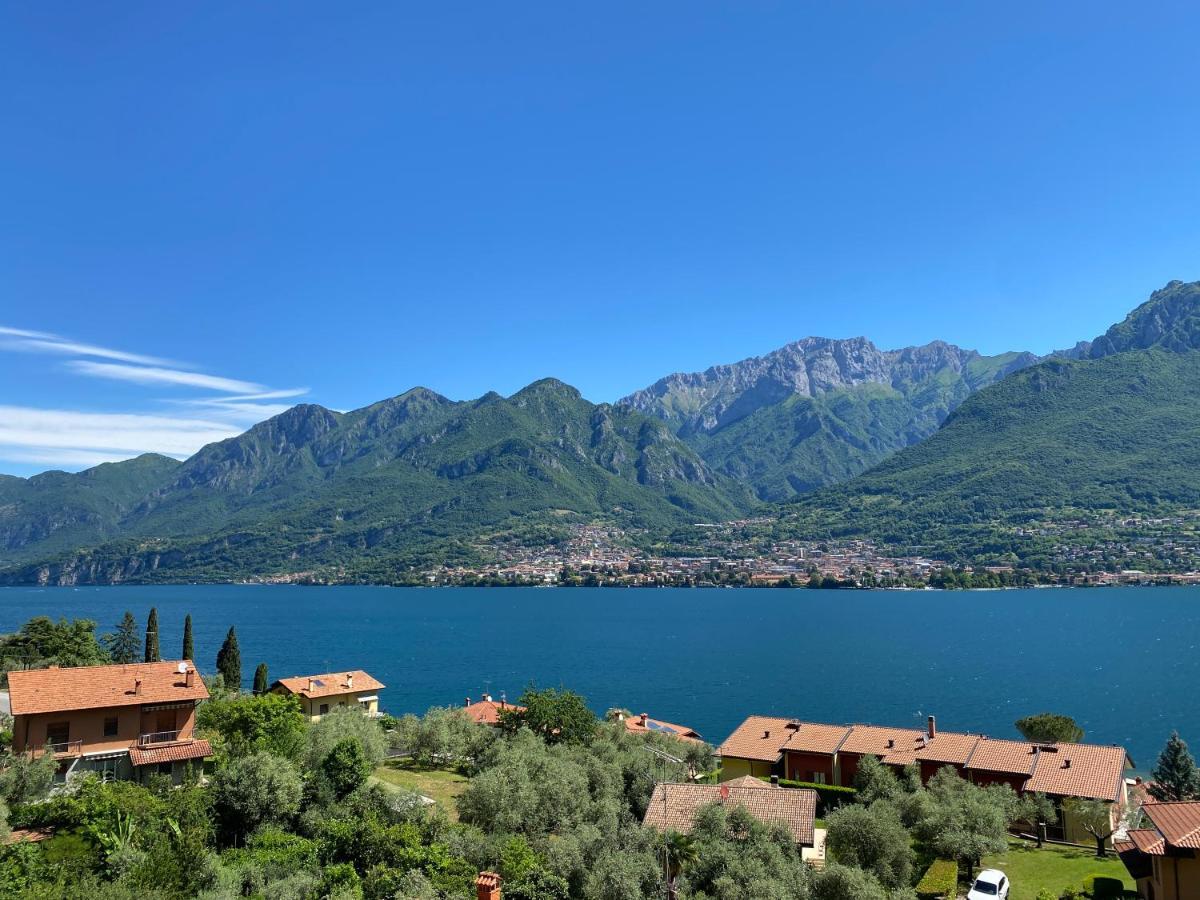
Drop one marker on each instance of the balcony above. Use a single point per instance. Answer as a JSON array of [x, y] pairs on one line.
[[155, 738], [61, 748]]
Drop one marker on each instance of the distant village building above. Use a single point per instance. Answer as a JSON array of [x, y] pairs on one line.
[[119, 722], [321, 694], [643, 724], [486, 711], [1164, 859]]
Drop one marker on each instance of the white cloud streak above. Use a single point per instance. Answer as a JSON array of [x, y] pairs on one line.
[[155, 375], [43, 342], [113, 433]]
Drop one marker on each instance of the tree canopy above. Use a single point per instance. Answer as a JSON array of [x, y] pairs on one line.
[[1050, 728]]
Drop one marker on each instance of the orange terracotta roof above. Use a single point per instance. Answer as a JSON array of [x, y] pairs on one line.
[[487, 711], [811, 737], [875, 739], [635, 725], [1147, 840], [1078, 770], [1178, 823], [751, 782], [1006, 757], [28, 835], [329, 684], [674, 806], [146, 756], [759, 738], [100, 687]]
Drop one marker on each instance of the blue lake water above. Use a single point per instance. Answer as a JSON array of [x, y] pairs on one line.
[[1125, 662]]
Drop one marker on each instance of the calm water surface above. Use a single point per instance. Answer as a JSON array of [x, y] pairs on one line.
[[1124, 661]]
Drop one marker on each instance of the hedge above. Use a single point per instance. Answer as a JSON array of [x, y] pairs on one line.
[[940, 881], [1103, 887], [829, 796]]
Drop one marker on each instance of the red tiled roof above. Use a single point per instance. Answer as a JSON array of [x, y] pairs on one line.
[[946, 747], [1006, 757], [674, 806], [1177, 822], [28, 835], [487, 712], [874, 739], [635, 725], [750, 781], [1147, 840], [759, 738], [100, 687], [329, 684], [1078, 770], [811, 737], [145, 756]]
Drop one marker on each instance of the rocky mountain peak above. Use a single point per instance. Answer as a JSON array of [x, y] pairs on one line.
[[1170, 320]]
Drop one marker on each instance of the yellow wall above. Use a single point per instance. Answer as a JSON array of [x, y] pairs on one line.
[[1172, 873], [312, 708], [732, 767]]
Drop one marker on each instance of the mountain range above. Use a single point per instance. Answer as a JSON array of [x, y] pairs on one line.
[[828, 436]]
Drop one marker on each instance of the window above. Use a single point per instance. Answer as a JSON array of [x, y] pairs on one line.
[[818, 778], [110, 726], [164, 768], [58, 733], [324, 709]]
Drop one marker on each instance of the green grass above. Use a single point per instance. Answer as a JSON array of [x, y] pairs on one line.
[[441, 785], [1057, 868]]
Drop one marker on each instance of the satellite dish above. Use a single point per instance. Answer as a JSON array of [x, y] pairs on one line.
[[181, 668]]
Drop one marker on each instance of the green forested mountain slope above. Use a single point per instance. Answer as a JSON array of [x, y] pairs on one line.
[[405, 481], [1117, 431], [818, 411]]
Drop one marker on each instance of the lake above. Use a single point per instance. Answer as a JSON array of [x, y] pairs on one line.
[[1123, 661]]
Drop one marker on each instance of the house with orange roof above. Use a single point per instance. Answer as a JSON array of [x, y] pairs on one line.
[[1164, 858], [763, 746], [643, 724], [673, 806], [118, 721], [320, 694], [486, 711]]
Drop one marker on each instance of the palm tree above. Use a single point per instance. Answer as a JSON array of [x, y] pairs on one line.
[[681, 853]]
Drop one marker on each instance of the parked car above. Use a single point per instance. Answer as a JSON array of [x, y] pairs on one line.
[[990, 884]]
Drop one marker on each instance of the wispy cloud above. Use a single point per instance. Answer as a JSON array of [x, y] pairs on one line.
[[155, 375], [75, 438]]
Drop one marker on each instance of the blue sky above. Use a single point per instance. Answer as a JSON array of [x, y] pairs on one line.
[[334, 203]]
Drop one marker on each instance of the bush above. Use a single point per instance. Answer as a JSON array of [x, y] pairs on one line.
[[829, 796], [1103, 887], [939, 881]]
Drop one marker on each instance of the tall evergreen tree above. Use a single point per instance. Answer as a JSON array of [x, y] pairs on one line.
[[1175, 776], [123, 645], [152, 654], [229, 661], [189, 648], [260, 679]]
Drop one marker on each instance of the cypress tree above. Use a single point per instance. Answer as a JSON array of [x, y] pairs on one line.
[[123, 646], [229, 661], [189, 649], [1175, 776], [260, 679], [152, 654]]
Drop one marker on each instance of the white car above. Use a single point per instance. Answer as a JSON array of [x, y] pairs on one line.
[[990, 884]]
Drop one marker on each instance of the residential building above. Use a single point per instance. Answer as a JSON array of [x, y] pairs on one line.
[[1164, 859], [673, 807], [320, 694], [830, 754], [486, 711], [643, 724], [120, 721]]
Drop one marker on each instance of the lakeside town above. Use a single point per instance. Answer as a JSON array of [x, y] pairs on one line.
[[98, 734]]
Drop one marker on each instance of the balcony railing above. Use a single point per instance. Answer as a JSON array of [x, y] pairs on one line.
[[63, 748], [158, 737]]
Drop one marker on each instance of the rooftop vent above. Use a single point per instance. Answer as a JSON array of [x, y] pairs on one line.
[[891, 743], [766, 734]]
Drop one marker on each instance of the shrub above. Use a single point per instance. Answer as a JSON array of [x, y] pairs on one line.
[[1046, 894], [1103, 887], [939, 881], [829, 796]]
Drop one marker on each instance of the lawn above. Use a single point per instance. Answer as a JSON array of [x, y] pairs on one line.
[[1057, 868], [441, 785]]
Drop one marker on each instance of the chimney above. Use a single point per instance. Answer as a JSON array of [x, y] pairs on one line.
[[766, 734], [189, 678], [644, 717], [350, 680], [487, 886], [775, 780], [503, 700], [487, 698], [891, 743], [1067, 763], [932, 728], [467, 701], [312, 685], [137, 686]]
